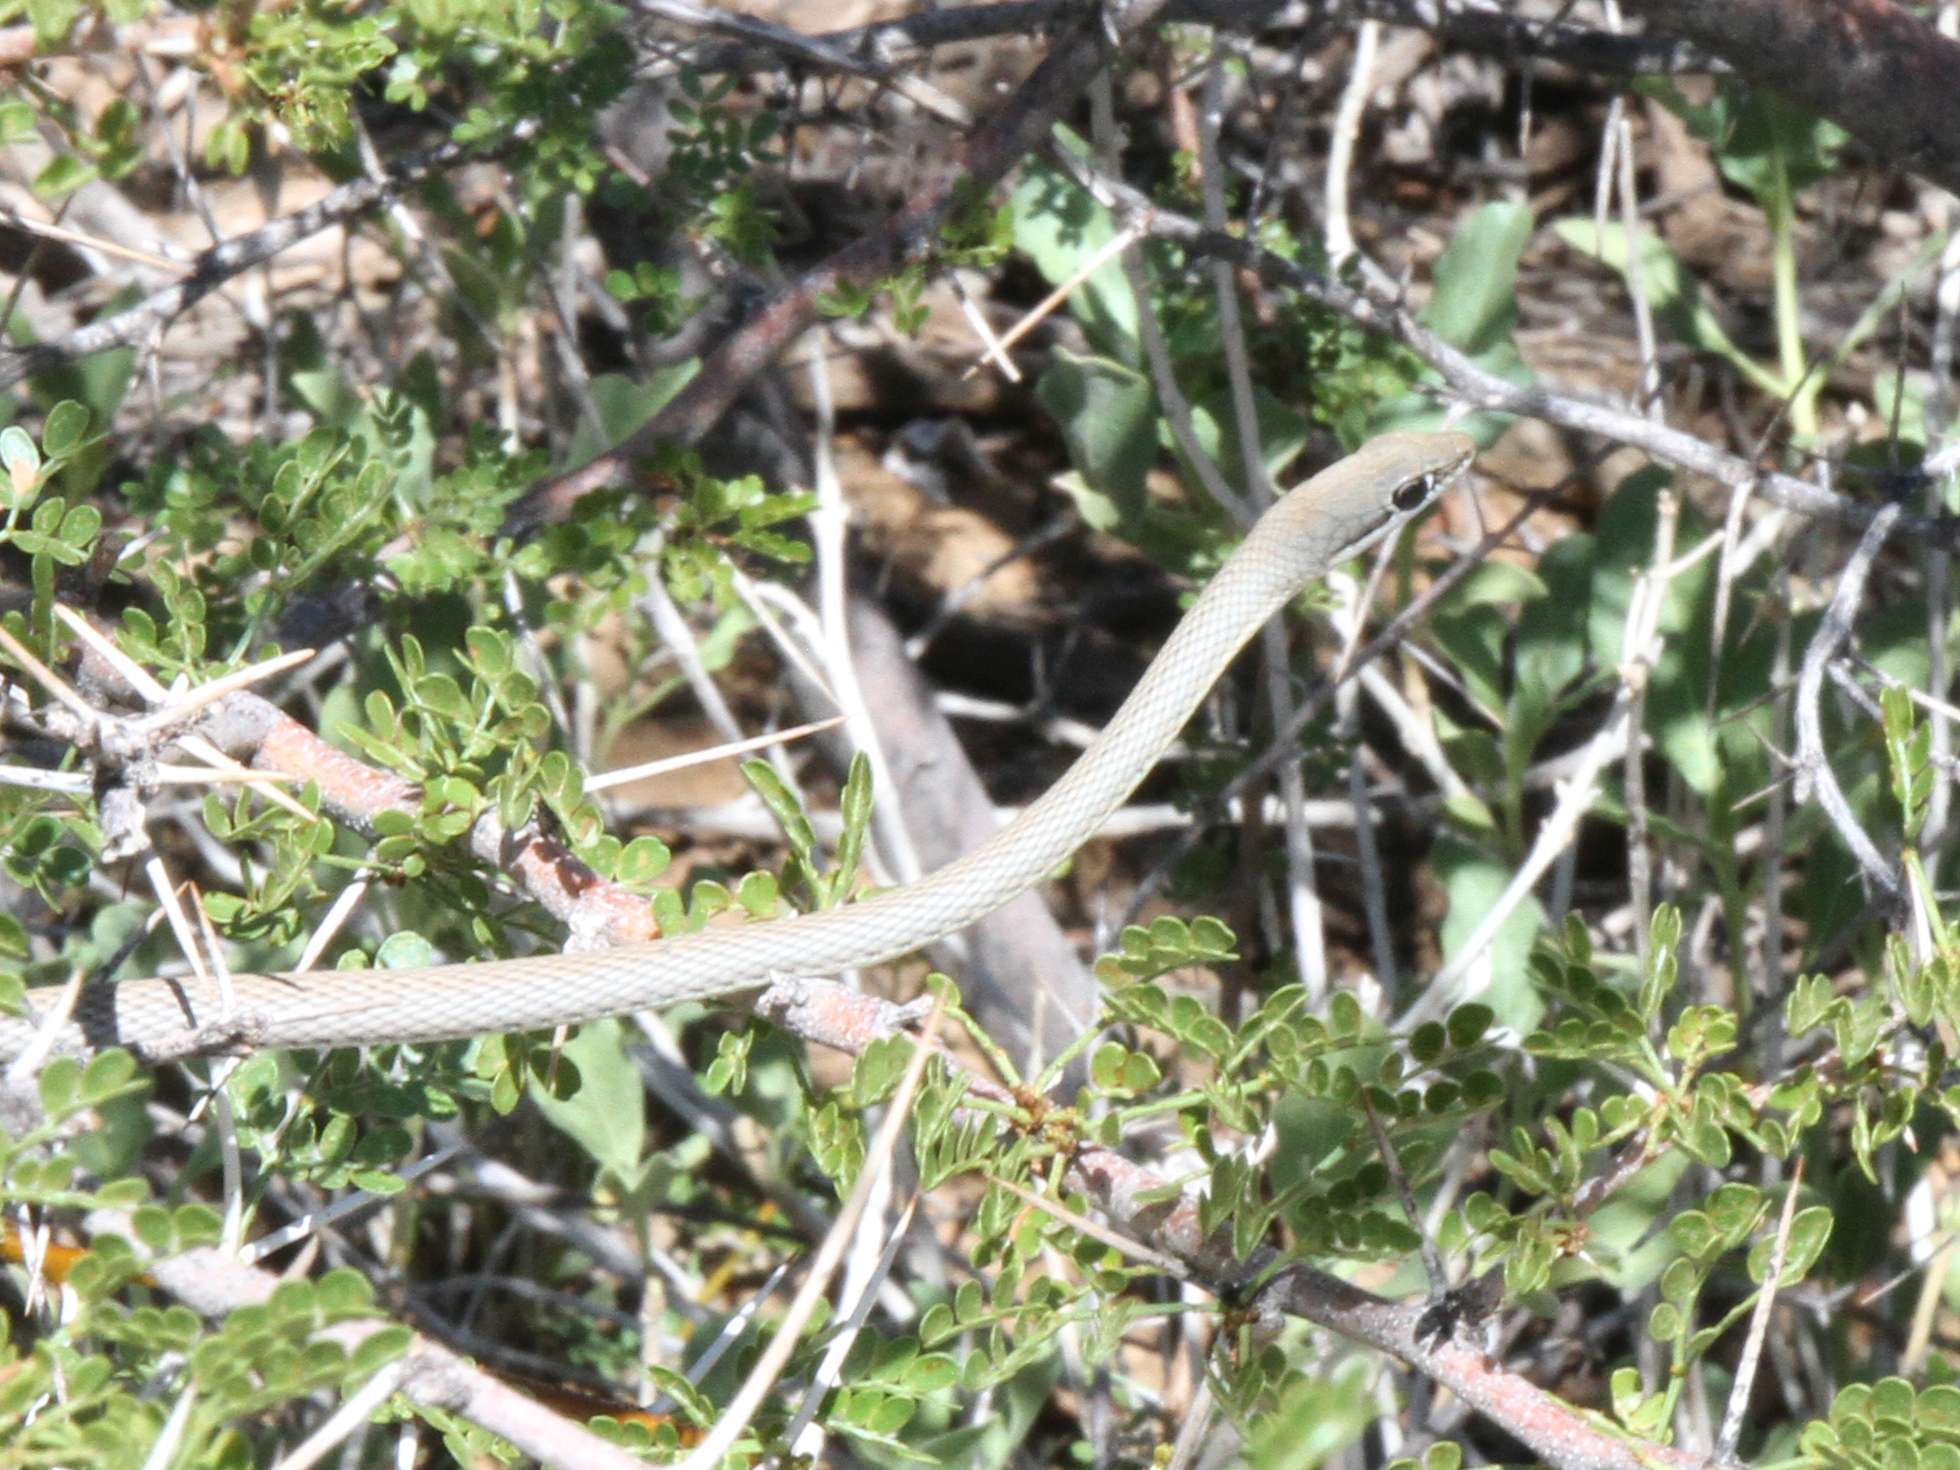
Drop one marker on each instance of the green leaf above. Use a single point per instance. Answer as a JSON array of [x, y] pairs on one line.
[[406, 950], [444, 696], [20, 458], [1107, 413], [642, 860], [784, 807], [1474, 303], [1472, 881], [1467, 1024], [1764, 142], [60, 1087], [1283, 433], [624, 404], [1938, 1410], [1810, 1232], [1644, 1415], [62, 433], [879, 1070], [1691, 1233], [854, 806], [1061, 228], [1671, 290], [62, 175], [1663, 935], [607, 1115]]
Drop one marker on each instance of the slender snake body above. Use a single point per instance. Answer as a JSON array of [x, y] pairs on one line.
[[1335, 515]]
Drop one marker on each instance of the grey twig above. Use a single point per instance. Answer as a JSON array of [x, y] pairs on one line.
[[1752, 1349], [1375, 306], [220, 263], [1432, 1260], [1813, 765]]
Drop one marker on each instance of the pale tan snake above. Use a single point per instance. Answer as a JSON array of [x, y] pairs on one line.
[[1336, 514]]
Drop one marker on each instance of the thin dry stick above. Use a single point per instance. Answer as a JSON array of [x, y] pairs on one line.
[[1156, 351], [1770, 968], [351, 1417], [1575, 798], [794, 628], [712, 753], [1122, 1244], [1640, 649], [830, 638], [736, 1327], [49, 680], [894, 844], [167, 773], [819, 50], [830, 1370], [1728, 574], [1378, 306], [1745, 1368], [172, 905], [1483, 32], [314, 1221], [955, 599], [1939, 565], [992, 351], [25, 1067], [179, 706], [735, 1419], [1813, 765], [33, 778], [1346, 129], [1044, 308], [173, 709], [1636, 668], [1305, 917], [1348, 732], [1618, 163], [673, 630], [1193, 1436], [1925, 1310], [33, 1241], [163, 1448], [87, 241], [1432, 1260], [1945, 709], [224, 769], [224, 1119], [338, 912], [134, 674]]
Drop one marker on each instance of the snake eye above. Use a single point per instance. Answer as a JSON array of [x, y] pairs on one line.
[[1415, 494]]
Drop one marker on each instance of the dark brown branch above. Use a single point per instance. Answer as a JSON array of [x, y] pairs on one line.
[[1514, 38], [1871, 66], [1561, 1436], [1487, 32], [1021, 123]]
